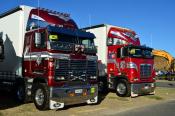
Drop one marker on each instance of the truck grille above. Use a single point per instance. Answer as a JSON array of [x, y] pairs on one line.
[[75, 68], [145, 71]]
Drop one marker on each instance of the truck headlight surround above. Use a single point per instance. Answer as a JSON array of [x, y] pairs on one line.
[[132, 65]]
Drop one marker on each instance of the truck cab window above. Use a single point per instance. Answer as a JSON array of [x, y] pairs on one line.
[[34, 24], [87, 43], [43, 40], [118, 41]]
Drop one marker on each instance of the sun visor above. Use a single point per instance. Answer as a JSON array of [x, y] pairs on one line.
[[71, 32]]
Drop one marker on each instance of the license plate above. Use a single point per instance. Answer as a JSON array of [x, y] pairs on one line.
[[79, 91]]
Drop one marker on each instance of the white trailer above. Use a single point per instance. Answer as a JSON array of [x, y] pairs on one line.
[[13, 28]]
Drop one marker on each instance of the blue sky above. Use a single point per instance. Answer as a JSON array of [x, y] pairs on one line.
[[153, 20]]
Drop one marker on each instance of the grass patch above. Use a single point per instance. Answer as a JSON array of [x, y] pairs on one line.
[[1, 114], [154, 97], [118, 98], [29, 107]]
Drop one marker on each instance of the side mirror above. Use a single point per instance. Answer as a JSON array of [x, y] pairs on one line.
[[37, 39], [122, 54], [1, 37], [1, 49], [109, 41]]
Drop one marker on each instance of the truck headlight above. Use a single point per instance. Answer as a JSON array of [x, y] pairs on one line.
[[131, 65], [93, 77], [61, 78], [135, 79]]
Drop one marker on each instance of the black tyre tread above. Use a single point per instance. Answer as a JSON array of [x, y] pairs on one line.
[[128, 86], [44, 87], [24, 94], [25, 99], [105, 86]]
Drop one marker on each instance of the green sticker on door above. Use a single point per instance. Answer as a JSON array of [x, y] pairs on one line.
[[92, 90], [53, 37]]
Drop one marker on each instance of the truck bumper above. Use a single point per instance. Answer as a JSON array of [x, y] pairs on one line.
[[61, 96], [142, 88]]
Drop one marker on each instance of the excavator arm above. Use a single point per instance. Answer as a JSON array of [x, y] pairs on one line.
[[167, 56]]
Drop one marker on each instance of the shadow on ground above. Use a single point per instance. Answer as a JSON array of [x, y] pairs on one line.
[[7, 100]]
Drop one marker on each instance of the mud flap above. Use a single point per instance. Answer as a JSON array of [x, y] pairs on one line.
[[153, 93], [93, 100], [55, 105], [134, 94]]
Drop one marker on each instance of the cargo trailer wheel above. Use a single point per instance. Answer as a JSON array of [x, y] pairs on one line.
[[41, 96], [123, 88], [20, 93], [102, 87]]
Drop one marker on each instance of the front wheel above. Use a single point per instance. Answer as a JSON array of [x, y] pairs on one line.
[[123, 88], [41, 96]]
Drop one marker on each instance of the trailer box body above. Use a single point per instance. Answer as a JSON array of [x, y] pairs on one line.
[[100, 42], [13, 28]]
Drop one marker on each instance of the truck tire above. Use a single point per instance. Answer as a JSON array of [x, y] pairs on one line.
[[123, 88], [20, 93], [102, 86], [41, 96]]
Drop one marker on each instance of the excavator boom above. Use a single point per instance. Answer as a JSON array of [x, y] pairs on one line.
[[166, 55]]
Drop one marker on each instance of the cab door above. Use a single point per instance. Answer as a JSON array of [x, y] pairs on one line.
[[39, 53], [27, 65]]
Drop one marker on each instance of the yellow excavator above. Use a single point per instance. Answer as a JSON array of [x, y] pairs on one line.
[[168, 64], [170, 60]]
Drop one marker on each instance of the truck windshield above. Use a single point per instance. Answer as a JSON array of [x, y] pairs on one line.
[[62, 42], [88, 44], [67, 42], [140, 52]]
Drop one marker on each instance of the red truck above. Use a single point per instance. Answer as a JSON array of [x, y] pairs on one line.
[[124, 65], [47, 58]]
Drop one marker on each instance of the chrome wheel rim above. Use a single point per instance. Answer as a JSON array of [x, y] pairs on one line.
[[121, 88], [39, 97]]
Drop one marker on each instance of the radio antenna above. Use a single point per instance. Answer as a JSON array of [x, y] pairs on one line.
[[38, 14], [151, 40], [90, 23]]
